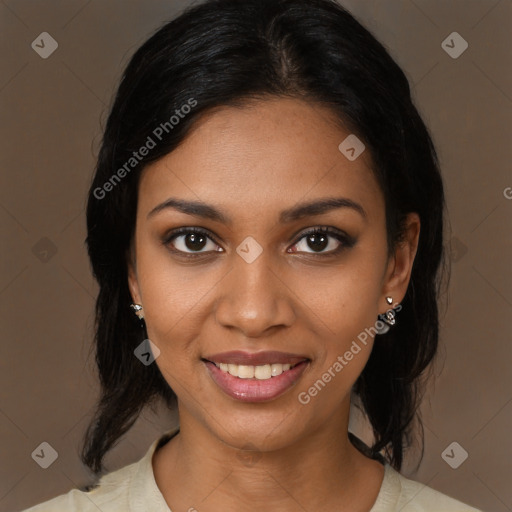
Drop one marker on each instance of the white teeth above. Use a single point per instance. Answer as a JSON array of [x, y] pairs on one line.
[[261, 372], [276, 369], [245, 372]]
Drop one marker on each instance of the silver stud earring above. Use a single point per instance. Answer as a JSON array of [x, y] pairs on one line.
[[382, 326], [138, 310]]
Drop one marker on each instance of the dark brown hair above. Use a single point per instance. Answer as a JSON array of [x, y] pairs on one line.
[[225, 52]]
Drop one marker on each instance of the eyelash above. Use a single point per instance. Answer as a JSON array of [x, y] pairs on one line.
[[346, 241]]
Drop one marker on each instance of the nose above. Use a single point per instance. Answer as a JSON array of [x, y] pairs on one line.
[[254, 298]]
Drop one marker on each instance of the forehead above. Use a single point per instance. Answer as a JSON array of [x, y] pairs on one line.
[[268, 153]]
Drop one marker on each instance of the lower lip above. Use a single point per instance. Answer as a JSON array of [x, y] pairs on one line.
[[255, 390]]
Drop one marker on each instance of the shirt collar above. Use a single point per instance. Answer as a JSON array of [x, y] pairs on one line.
[[144, 494], [389, 492]]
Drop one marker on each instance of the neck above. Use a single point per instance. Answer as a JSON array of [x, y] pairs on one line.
[[197, 470]]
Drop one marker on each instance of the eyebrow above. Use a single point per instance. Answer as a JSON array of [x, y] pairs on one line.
[[315, 207]]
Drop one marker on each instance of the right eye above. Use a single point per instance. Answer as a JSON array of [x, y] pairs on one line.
[[190, 241]]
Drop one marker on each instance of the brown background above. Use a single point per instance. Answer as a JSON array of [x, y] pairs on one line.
[[52, 112]]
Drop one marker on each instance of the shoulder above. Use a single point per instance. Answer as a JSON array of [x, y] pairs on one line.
[[109, 495], [129, 489], [411, 496]]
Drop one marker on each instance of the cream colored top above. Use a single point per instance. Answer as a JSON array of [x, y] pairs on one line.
[[133, 489]]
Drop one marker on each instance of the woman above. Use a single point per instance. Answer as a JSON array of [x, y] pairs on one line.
[[268, 207]]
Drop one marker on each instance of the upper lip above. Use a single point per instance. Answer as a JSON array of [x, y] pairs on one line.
[[256, 358]]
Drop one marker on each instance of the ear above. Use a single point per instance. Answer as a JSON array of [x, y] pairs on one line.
[[398, 273], [133, 282]]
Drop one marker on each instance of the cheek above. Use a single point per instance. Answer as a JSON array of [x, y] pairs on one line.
[[172, 293], [344, 347], [345, 307], [343, 300]]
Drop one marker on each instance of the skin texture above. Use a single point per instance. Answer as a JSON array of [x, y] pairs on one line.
[[252, 163]]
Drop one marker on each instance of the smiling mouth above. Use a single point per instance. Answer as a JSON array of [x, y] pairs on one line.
[[271, 375], [259, 372]]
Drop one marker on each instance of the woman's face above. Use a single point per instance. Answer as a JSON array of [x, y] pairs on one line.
[[255, 281]]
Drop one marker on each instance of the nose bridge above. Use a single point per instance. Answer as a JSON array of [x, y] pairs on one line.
[[253, 298]]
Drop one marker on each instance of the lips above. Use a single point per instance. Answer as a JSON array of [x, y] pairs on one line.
[[260, 388]]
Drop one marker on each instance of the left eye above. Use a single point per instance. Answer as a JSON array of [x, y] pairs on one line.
[[320, 239]]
